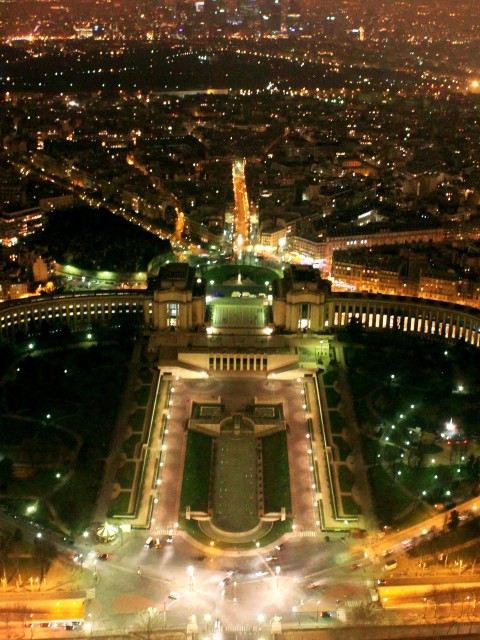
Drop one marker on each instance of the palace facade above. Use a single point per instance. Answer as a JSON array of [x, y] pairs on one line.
[[302, 302]]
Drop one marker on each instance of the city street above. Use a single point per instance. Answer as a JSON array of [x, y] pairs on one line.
[[178, 581]]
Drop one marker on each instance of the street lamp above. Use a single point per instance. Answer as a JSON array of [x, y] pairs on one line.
[[277, 573], [207, 617], [190, 570], [90, 622]]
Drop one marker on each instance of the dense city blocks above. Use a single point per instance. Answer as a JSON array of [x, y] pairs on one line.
[[239, 319]]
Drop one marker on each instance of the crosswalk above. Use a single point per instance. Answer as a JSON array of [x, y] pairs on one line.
[[159, 531], [241, 628], [308, 534], [351, 604]]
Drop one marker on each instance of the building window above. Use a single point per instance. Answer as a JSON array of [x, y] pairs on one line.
[[304, 321], [173, 311]]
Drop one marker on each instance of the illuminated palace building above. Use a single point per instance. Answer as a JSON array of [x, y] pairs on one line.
[[301, 301]]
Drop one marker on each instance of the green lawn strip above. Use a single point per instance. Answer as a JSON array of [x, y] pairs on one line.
[[389, 499], [119, 506], [350, 507], [126, 475], [196, 474], [337, 422], [276, 476], [202, 409], [345, 478], [333, 398], [329, 377], [142, 395], [136, 420], [130, 446], [145, 375], [343, 448]]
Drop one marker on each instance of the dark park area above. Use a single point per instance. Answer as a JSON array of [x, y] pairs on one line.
[[59, 408], [417, 408], [97, 239]]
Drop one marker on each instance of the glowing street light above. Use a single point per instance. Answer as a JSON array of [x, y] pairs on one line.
[[190, 571]]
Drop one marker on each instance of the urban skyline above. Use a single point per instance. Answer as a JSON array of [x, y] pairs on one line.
[[239, 319]]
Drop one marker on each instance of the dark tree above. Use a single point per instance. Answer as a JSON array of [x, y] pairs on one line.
[[454, 520], [44, 553], [6, 472]]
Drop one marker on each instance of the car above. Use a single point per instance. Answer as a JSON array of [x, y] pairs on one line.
[[158, 543], [354, 566], [390, 565], [314, 585], [224, 582], [387, 552], [231, 572], [326, 614], [148, 543], [407, 544], [261, 573], [217, 625], [102, 556], [169, 539], [69, 627], [381, 581], [173, 595], [271, 558], [280, 547]]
